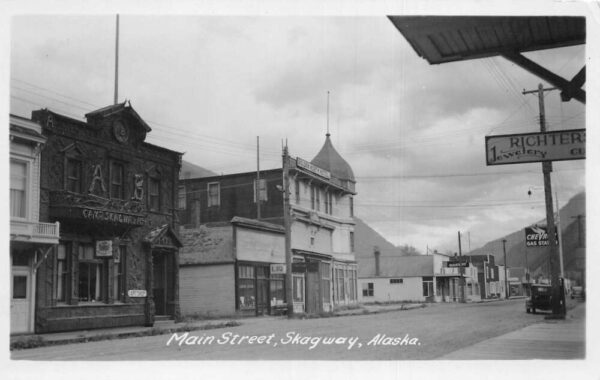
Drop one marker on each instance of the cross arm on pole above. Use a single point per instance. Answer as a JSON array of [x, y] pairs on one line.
[[570, 89]]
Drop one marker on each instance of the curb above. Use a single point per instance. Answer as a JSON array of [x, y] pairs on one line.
[[38, 340]]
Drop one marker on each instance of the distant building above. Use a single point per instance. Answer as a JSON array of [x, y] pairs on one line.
[[30, 240], [386, 278], [114, 196], [322, 231], [491, 276]]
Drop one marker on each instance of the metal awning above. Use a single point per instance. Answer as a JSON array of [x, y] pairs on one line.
[[442, 39]]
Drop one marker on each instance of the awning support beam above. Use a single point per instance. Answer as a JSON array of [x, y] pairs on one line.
[[570, 89]]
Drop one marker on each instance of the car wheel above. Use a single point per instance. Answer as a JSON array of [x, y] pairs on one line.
[[533, 310], [528, 311]]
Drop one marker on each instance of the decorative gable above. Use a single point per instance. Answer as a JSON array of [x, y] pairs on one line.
[[163, 236]]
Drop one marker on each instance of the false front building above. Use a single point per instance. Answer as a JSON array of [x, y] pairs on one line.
[[322, 236], [114, 196], [30, 239]]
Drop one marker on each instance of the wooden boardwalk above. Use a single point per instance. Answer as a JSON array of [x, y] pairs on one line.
[[546, 340]]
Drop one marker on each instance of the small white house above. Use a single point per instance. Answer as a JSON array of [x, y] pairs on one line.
[[417, 278]]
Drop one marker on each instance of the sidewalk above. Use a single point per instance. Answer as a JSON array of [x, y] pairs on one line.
[[169, 326], [160, 327], [549, 339]]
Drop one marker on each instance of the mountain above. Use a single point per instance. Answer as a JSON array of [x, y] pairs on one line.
[[535, 258], [366, 238], [189, 170]]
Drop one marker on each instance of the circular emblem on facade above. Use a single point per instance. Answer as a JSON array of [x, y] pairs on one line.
[[121, 132]]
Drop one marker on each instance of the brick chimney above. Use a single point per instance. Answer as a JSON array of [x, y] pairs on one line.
[[377, 254]]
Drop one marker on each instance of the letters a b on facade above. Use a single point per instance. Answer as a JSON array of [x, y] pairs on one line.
[[107, 188]]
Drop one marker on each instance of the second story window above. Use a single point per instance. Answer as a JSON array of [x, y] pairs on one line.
[[117, 189], [328, 203], [154, 194], [18, 189], [351, 241], [351, 207], [214, 194], [297, 191], [318, 198], [73, 175], [181, 198], [312, 198]]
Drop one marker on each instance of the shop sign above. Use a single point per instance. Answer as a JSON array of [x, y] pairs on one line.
[[537, 236], [535, 147], [278, 269], [303, 267], [136, 293], [115, 217], [457, 264], [312, 168], [104, 248]]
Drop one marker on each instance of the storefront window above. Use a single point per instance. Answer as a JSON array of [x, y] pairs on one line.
[[326, 281], [61, 273], [90, 275], [352, 284], [277, 289], [119, 284], [298, 288], [246, 287]]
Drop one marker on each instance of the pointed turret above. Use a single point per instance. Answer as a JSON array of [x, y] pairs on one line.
[[329, 159]]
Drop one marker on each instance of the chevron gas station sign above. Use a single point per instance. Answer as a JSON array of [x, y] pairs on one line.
[[537, 237]]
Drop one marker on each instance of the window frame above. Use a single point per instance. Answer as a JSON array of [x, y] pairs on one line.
[[101, 286], [209, 195], [152, 180], [78, 181], [368, 290], [25, 207], [121, 193]]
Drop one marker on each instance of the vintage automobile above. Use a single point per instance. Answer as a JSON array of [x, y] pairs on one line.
[[540, 299], [577, 292]]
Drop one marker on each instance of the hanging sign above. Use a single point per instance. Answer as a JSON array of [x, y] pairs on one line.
[[137, 293], [104, 248], [537, 236], [535, 147], [278, 269]]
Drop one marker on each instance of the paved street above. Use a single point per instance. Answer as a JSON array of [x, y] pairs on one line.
[[427, 333]]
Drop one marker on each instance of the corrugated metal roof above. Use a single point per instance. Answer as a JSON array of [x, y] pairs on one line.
[[441, 39]]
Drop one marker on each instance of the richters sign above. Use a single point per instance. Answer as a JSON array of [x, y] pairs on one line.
[[535, 147], [537, 237]]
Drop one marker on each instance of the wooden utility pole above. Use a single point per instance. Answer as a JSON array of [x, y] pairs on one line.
[[558, 310], [288, 233], [506, 290], [116, 98], [257, 186], [461, 280]]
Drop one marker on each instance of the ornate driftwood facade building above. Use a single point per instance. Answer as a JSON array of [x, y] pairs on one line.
[[114, 196]]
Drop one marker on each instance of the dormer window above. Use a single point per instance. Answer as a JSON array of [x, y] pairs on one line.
[[73, 175]]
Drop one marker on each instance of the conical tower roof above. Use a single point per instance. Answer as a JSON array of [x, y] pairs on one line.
[[329, 159]]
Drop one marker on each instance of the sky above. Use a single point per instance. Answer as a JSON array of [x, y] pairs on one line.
[[413, 133]]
